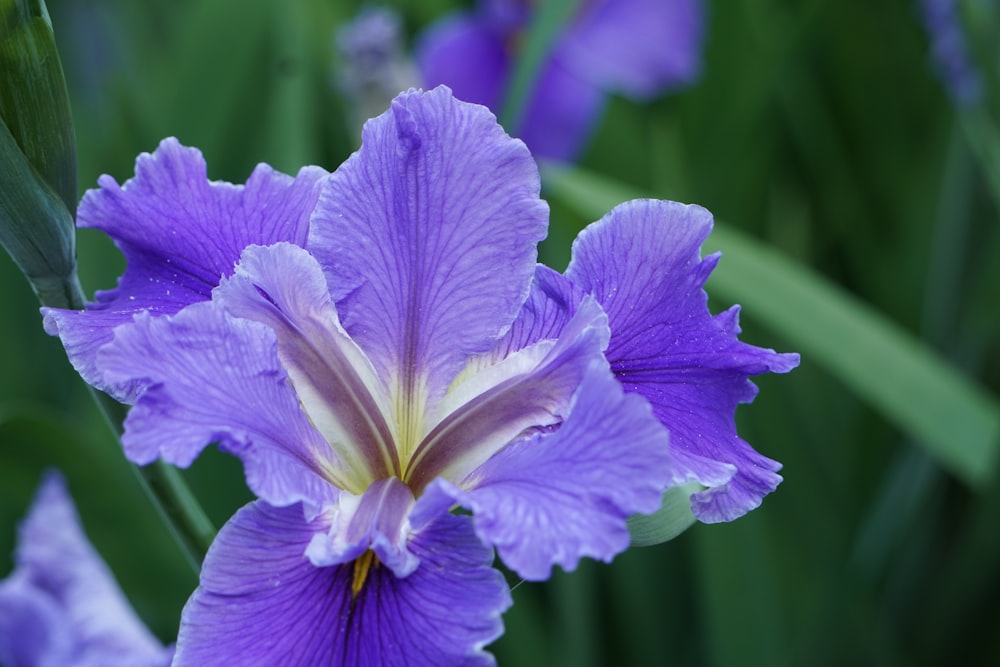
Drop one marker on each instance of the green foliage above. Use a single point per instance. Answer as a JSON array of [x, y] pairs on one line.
[[37, 151], [954, 419]]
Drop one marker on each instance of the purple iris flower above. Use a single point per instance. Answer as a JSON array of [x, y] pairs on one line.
[[61, 607], [404, 356], [637, 48], [950, 51]]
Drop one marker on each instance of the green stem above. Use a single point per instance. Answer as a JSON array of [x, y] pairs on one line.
[[169, 493], [983, 139], [549, 17]]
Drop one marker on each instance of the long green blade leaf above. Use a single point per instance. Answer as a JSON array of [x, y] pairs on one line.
[[957, 421]]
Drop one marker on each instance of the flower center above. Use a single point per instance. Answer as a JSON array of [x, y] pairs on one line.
[[361, 567]]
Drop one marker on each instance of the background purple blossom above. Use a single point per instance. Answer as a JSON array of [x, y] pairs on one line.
[[637, 48]]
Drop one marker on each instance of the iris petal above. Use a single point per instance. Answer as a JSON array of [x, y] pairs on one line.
[[216, 378], [642, 262], [535, 399], [283, 287], [427, 235], [261, 600], [179, 232], [556, 497], [61, 605]]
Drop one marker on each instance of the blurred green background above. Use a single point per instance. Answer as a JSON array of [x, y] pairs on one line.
[[818, 128]]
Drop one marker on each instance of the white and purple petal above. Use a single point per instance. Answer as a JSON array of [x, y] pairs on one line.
[[262, 600], [211, 377], [283, 287], [376, 520], [180, 233], [554, 497], [642, 262], [428, 239], [533, 389], [61, 605]]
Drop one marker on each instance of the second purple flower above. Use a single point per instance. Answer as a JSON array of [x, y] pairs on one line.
[[636, 48]]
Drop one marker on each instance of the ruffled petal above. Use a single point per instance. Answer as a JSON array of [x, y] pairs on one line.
[[215, 378], [179, 233], [262, 603], [63, 598], [551, 304], [556, 497], [642, 262], [427, 235], [635, 47], [467, 54]]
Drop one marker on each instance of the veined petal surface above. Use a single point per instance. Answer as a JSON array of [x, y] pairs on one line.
[[180, 233], [427, 235], [283, 287], [642, 262], [262, 600], [482, 420], [555, 497], [211, 377]]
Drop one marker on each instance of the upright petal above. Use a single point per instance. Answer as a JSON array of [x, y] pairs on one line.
[[216, 378], [427, 235], [262, 603], [555, 497], [179, 233], [635, 47], [642, 262], [62, 601]]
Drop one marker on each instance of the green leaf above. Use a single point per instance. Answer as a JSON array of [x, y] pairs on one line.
[[956, 420], [672, 519], [34, 104], [36, 229], [37, 155], [548, 18]]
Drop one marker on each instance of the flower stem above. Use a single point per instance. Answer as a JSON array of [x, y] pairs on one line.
[[169, 493], [983, 139]]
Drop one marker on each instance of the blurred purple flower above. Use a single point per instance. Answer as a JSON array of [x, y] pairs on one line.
[[61, 607], [950, 52], [637, 48], [373, 66], [395, 353]]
